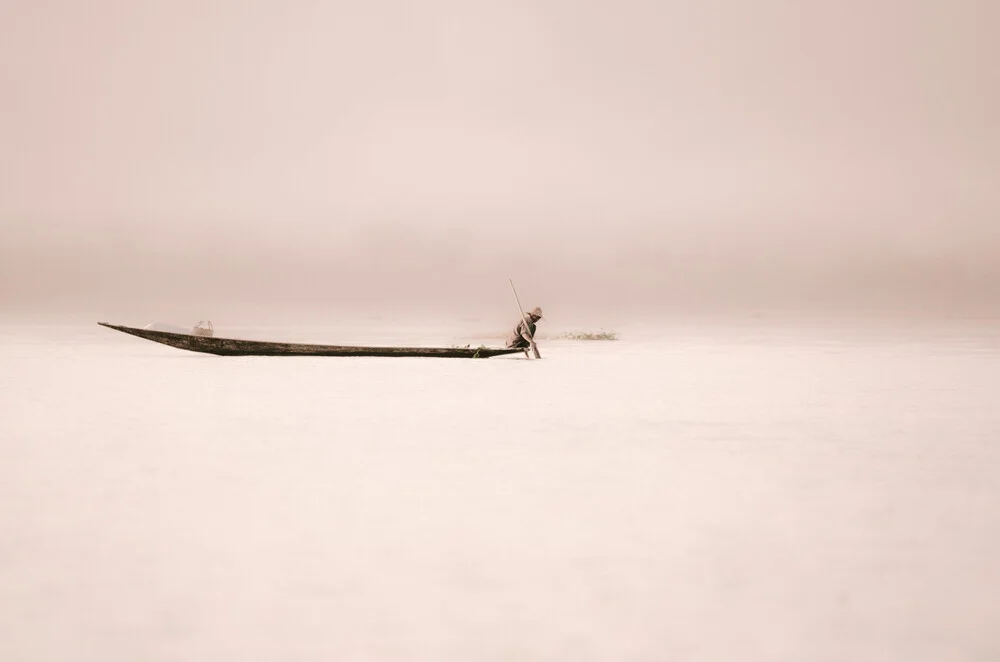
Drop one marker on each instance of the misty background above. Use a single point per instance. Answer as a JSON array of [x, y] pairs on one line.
[[191, 160]]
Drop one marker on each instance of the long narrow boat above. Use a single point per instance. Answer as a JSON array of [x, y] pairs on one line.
[[233, 347]]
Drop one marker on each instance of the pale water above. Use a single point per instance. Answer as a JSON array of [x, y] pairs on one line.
[[691, 494]]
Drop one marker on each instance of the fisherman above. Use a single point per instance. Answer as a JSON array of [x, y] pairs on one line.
[[522, 336]]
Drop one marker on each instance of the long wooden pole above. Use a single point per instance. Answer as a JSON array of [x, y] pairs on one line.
[[531, 336]]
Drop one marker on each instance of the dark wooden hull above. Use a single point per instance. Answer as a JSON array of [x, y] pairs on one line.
[[232, 347]]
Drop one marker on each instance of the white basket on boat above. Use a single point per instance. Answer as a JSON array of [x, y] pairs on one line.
[[203, 328]]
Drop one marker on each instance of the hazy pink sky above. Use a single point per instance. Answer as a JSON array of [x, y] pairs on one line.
[[658, 142]]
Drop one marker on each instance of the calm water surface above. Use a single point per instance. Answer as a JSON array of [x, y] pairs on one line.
[[682, 494]]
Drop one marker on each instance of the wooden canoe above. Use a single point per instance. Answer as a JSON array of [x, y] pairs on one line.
[[233, 347]]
